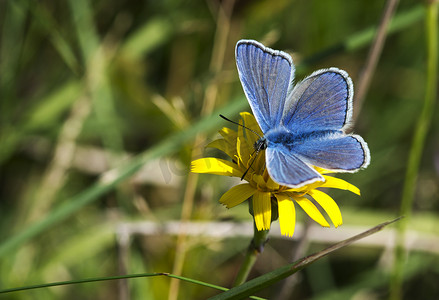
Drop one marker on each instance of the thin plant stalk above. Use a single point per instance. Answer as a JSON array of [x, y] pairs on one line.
[[417, 148], [254, 249], [216, 65], [374, 54]]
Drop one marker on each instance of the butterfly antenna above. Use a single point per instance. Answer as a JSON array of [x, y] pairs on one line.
[[255, 152], [227, 119], [251, 164]]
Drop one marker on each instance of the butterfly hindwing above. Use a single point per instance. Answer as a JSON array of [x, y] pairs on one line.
[[336, 152], [322, 101], [287, 169], [265, 75]]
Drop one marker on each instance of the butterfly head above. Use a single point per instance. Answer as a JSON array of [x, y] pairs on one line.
[[260, 144]]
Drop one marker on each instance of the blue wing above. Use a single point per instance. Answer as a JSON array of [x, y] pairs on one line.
[[336, 152], [265, 75], [322, 101], [287, 169]]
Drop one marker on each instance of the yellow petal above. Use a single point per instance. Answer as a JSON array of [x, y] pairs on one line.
[[224, 146], [216, 166], [259, 180], [287, 214], [243, 148], [237, 194], [250, 122], [271, 184], [333, 182], [303, 189], [229, 135], [239, 153], [262, 210], [259, 162], [311, 186], [329, 205], [322, 171], [311, 210]]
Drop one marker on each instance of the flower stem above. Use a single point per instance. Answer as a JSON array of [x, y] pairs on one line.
[[417, 148], [255, 248]]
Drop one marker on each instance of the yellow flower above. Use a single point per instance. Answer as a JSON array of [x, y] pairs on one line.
[[264, 191]]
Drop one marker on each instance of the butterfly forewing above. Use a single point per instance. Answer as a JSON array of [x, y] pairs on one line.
[[265, 75], [322, 101]]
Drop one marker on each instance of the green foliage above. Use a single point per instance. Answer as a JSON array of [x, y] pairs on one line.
[[91, 92]]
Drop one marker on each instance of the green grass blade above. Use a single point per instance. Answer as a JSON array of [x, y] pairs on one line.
[[363, 38], [98, 84], [150, 36], [85, 29], [110, 179], [12, 39], [100, 279], [399, 22], [266, 280], [376, 278], [417, 147], [43, 115], [48, 25]]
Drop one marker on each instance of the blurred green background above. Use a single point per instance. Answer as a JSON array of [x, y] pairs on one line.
[[85, 86]]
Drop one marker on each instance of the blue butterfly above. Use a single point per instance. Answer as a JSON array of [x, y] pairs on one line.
[[303, 124]]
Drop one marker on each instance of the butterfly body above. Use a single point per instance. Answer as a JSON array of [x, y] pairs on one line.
[[303, 124], [281, 137]]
